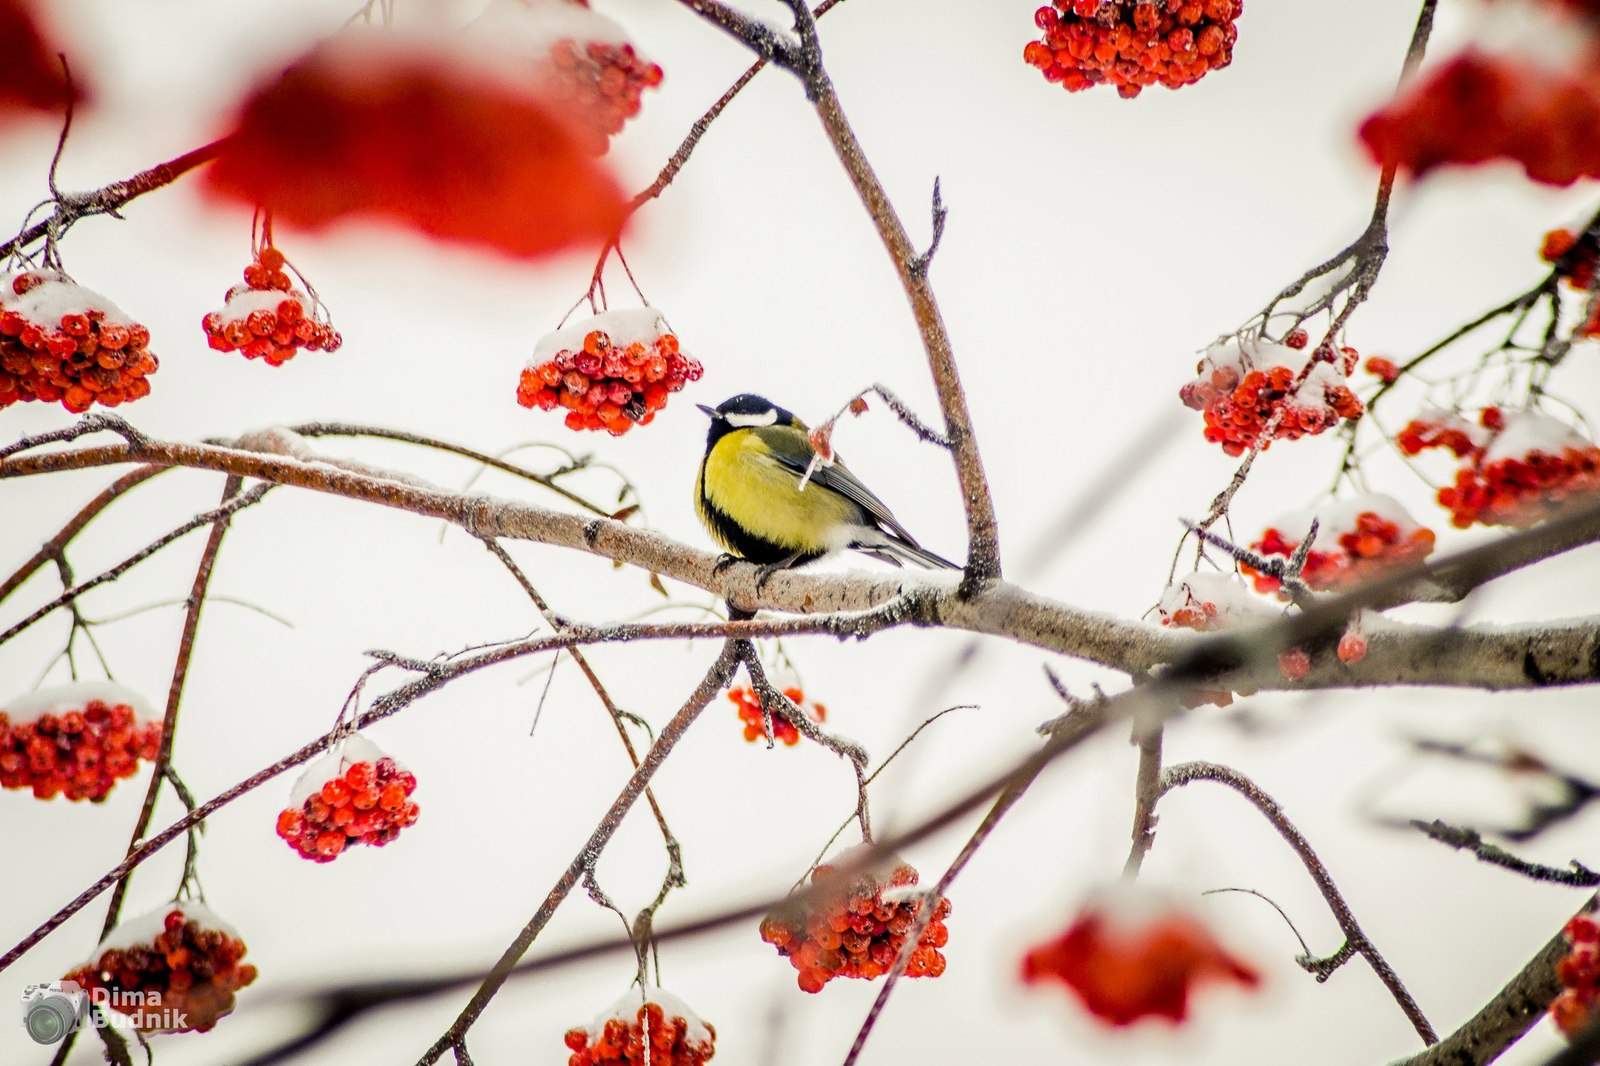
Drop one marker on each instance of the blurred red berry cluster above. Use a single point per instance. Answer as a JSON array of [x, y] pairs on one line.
[[61, 341], [1133, 43], [656, 1036], [1128, 966], [267, 318], [611, 372], [75, 749], [1242, 387], [858, 929], [174, 971], [1359, 538], [32, 78], [749, 705], [420, 130], [1521, 466], [1581, 254], [360, 801], [1579, 973], [1482, 106], [1382, 368]]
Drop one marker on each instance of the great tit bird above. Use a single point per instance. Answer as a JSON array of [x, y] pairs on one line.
[[749, 495]]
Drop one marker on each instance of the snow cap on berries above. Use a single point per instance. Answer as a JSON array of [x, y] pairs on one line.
[[76, 740], [1207, 600], [174, 969], [612, 372]]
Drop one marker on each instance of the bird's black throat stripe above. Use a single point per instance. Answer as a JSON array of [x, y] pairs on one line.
[[746, 545]]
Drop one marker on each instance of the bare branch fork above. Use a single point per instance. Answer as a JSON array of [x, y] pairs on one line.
[[805, 61], [1356, 941]]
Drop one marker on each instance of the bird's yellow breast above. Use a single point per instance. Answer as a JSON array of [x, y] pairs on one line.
[[742, 480]]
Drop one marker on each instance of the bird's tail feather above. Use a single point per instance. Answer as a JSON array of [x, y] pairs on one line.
[[893, 549]]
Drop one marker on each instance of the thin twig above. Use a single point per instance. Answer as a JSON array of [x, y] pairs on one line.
[[1356, 941], [714, 681], [236, 503], [180, 674], [1576, 874]]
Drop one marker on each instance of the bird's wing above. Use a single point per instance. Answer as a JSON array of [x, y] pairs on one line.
[[791, 449]]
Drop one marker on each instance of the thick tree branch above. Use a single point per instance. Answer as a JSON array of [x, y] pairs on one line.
[[1480, 657], [1505, 1018]]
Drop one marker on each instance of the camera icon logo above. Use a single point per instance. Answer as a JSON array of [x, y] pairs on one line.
[[51, 1011]]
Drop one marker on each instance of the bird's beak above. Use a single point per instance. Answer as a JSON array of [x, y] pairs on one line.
[[710, 412]]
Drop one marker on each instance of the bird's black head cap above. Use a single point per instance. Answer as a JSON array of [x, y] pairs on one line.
[[745, 411]]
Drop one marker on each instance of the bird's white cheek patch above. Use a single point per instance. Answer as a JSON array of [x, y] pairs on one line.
[[745, 421]]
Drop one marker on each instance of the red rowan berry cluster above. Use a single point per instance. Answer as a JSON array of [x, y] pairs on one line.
[[1521, 466], [1243, 387], [61, 341], [1133, 956], [859, 931], [1352, 647], [586, 69], [75, 741], [357, 795], [611, 372], [1479, 107], [1356, 538], [1559, 243], [749, 705], [1579, 973], [267, 318], [661, 1032], [1382, 368], [1133, 43], [1580, 270], [1442, 429], [174, 970]]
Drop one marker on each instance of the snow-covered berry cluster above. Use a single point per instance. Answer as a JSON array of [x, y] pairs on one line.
[[61, 341], [1356, 538], [75, 740], [1521, 465], [1579, 974], [1210, 600], [858, 929], [1481, 106], [267, 318], [1132, 955], [610, 372], [1246, 386], [585, 66], [1443, 429], [1133, 43], [749, 705], [354, 795], [175, 969], [647, 1025]]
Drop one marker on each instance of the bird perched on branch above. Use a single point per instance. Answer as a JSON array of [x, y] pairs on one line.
[[766, 496]]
